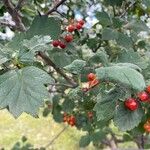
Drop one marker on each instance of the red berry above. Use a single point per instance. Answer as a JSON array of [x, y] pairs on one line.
[[93, 83], [62, 45], [71, 28], [148, 89], [68, 38], [72, 123], [143, 96], [91, 76], [81, 22], [90, 115], [147, 127], [131, 104], [72, 120], [55, 43], [78, 26]]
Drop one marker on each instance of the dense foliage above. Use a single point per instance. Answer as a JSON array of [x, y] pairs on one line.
[[89, 77]]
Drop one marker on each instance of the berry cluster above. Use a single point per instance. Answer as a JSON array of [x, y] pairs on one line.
[[70, 119], [132, 103], [68, 37], [147, 126], [76, 25], [92, 82]]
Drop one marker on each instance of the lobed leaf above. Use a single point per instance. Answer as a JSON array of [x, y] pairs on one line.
[[23, 90], [76, 66], [123, 74], [125, 119]]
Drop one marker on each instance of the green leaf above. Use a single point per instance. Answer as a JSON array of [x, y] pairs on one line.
[[76, 66], [75, 94], [124, 40], [15, 44], [114, 2], [5, 54], [84, 141], [42, 25], [99, 57], [117, 22], [130, 65], [130, 56], [123, 75], [24, 139], [92, 42], [147, 3], [61, 59], [106, 104], [26, 56], [109, 34], [46, 112], [105, 109], [37, 43], [103, 18], [137, 26], [125, 119], [98, 136], [141, 44], [57, 115], [71, 49], [23, 90], [68, 105], [3, 57], [127, 137]]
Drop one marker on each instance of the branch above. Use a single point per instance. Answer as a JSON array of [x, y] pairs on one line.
[[3, 23], [56, 84], [113, 145], [125, 11], [20, 4], [114, 10], [49, 62], [55, 7], [60, 14], [105, 142], [140, 141], [15, 15], [57, 136]]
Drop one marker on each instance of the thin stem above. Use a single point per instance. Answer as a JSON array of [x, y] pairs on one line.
[[55, 7], [2, 23], [56, 137], [114, 11], [56, 84], [20, 4], [139, 140], [49, 62], [129, 7], [142, 141], [15, 15], [60, 14]]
